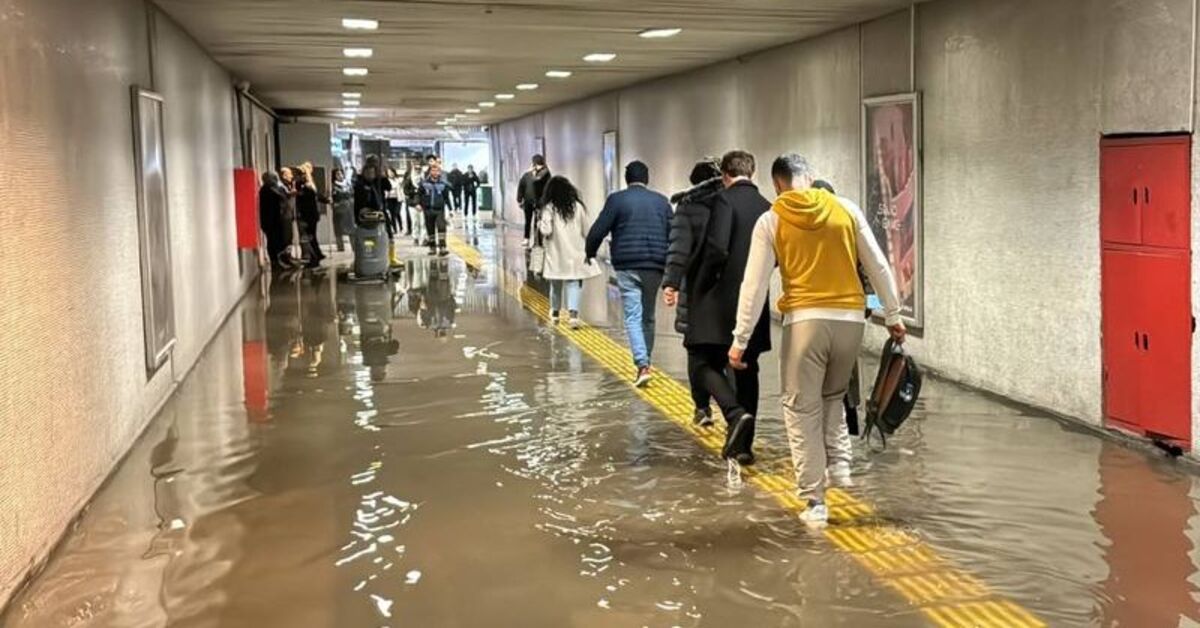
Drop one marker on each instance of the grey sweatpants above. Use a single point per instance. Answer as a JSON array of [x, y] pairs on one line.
[[816, 362]]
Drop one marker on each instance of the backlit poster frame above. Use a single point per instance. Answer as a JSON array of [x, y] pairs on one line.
[[154, 228], [892, 192]]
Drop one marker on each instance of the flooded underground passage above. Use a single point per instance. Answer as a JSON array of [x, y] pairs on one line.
[[432, 450]]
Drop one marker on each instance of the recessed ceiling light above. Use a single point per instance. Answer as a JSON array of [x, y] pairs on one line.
[[351, 94], [472, 110], [505, 96], [348, 123], [359, 24], [558, 74], [358, 53], [351, 103], [487, 104], [527, 87], [600, 57], [660, 33], [354, 71], [458, 116]]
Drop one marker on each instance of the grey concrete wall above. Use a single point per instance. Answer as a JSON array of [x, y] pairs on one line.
[[73, 387], [1016, 93]]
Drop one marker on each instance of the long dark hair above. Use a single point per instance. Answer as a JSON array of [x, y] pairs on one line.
[[562, 196]]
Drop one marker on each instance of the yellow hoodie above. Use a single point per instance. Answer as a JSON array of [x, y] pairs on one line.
[[817, 251]]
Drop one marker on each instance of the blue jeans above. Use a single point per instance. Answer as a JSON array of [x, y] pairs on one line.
[[568, 289], [639, 298]]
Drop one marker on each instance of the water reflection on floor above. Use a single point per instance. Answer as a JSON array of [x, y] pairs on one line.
[[426, 453]]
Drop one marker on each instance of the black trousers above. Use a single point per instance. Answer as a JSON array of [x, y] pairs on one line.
[[469, 203], [435, 228], [456, 198], [736, 392], [528, 207]]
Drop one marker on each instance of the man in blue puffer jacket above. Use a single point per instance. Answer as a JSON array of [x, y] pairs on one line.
[[639, 220]]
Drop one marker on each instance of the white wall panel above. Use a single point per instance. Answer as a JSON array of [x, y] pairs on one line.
[[73, 387]]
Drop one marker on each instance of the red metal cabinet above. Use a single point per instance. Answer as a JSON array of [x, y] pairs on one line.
[[1166, 193], [1120, 211], [1145, 211]]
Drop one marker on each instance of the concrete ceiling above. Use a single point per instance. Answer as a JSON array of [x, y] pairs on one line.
[[435, 58]]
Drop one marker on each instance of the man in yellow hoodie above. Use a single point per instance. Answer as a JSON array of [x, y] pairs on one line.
[[818, 240]]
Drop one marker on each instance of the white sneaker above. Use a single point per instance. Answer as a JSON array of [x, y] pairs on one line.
[[816, 515], [554, 317], [574, 322], [643, 377], [839, 476]]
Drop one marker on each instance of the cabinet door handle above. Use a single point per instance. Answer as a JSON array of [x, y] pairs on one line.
[[1146, 195], [1135, 196], [1137, 340], [1146, 341]]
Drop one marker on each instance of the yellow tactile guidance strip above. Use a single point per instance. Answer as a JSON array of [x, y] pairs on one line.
[[898, 559]]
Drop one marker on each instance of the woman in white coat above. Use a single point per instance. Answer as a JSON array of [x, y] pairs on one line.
[[563, 224]]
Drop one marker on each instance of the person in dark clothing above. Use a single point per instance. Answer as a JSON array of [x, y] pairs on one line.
[[273, 218], [287, 180], [308, 211], [455, 179], [435, 200], [692, 209], [530, 191], [639, 221], [470, 190], [368, 197], [712, 313]]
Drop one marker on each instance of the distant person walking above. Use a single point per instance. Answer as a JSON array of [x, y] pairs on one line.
[[818, 240], [712, 311], [412, 196], [455, 179], [343, 208], [470, 191], [639, 221], [692, 210], [530, 191], [563, 226], [435, 202]]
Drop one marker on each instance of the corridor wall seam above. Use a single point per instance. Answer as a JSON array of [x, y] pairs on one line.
[[76, 394], [1013, 116]]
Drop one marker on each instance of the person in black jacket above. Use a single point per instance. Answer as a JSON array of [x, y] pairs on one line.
[[308, 210], [692, 209], [712, 312], [455, 179], [368, 196], [273, 217], [529, 192], [639, 220], [470, 189]]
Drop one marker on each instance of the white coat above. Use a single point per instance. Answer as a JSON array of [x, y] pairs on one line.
[[565, 242]]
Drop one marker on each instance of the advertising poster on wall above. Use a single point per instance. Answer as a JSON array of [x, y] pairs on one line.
[[612, 178], [892, 194], [158, 295]]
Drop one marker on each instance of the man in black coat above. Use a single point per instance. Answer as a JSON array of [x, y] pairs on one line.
[[713, 279], [470, 191], [692, 209], [455, 179], [273, 217], [529, 192]]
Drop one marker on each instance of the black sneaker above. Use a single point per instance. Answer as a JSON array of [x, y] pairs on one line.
[[444, 252], [703, 417], [736, 433], [745, 458]]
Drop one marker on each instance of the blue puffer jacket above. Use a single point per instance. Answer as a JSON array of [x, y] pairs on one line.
[[640, 223]]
